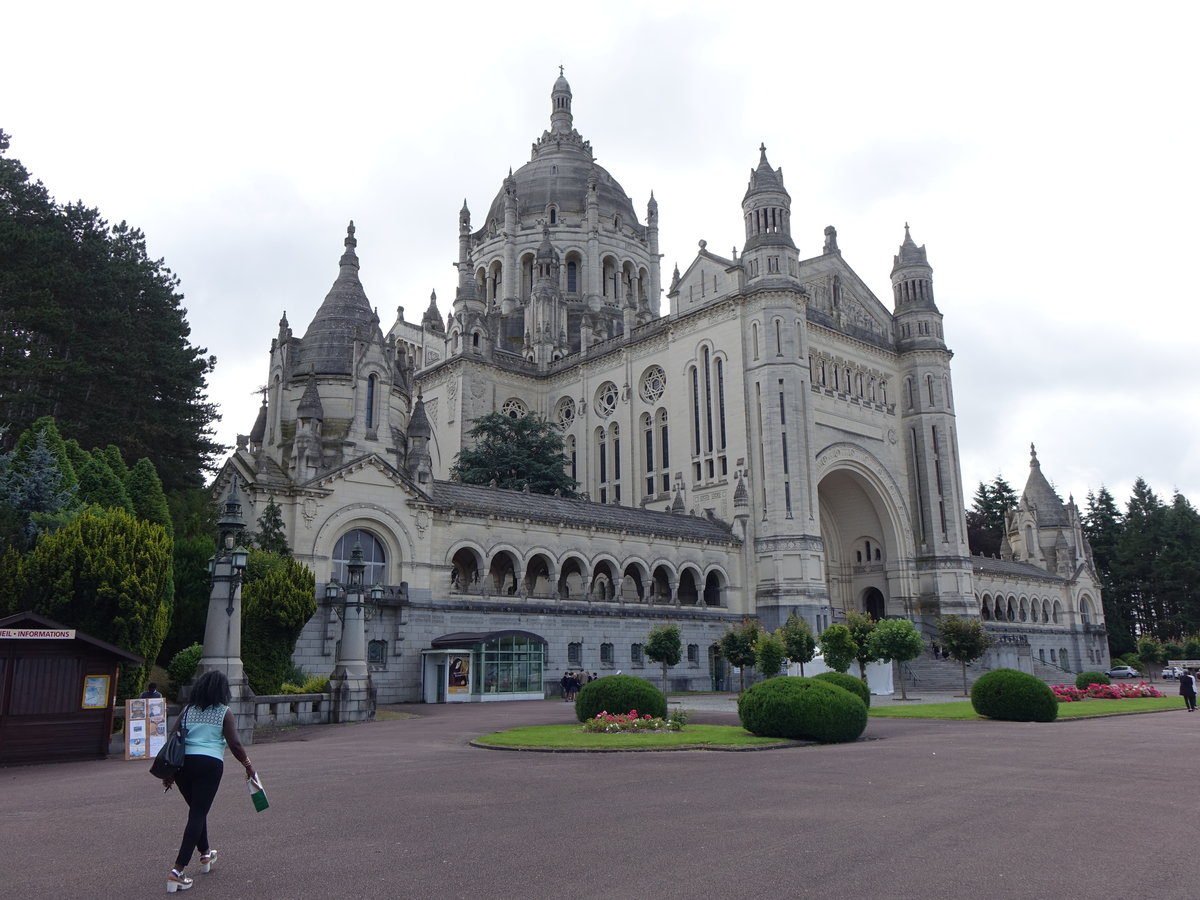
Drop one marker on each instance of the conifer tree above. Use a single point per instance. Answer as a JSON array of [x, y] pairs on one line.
[[272, 536]]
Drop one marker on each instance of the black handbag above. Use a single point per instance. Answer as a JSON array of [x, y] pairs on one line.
[[169, 760]]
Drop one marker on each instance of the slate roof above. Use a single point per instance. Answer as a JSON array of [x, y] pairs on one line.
[[579, 513], [1039, 494], [991, 566]]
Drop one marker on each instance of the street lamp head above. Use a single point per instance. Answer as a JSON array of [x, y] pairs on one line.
[[356, 565], [231, 522], [241, 556], [332, 590], [377, 592]]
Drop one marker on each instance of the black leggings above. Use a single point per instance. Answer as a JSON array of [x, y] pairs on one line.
[[197, 781]]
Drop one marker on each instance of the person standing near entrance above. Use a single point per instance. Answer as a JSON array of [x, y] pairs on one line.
[[1187, 689], [210, 728]]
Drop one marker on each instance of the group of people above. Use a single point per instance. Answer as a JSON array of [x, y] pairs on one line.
[[572, 681]]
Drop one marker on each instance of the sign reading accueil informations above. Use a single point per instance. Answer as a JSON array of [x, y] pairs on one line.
[[37, 634]]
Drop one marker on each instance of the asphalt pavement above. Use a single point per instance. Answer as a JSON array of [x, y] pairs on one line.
[[405, 807]]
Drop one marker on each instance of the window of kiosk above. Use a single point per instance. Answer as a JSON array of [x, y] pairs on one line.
[[512, 664]]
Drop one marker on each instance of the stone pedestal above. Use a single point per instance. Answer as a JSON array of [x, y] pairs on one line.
[[350, 684], [223, 642]]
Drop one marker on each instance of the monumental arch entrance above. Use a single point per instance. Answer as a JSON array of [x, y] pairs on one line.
[[862, 526]]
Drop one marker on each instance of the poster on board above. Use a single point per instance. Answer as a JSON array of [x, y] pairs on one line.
[[145, 727], [460, 674]]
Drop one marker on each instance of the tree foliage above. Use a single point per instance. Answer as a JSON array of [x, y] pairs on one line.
[[665, 647], [278, 598], [272, 536], [798, 640], [107, 574], [985, 518], [515, 452], [963, 640], [837, 647], [899, 640], [737, 646], [93, 332], [769, 654], [861, 627]]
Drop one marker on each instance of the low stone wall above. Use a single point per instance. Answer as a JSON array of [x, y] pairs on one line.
[[292, 709]]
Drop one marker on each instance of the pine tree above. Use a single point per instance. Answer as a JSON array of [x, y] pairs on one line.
[[94, 332], [515, 453], [99, 485], [1138, 547], [1102, 526], [272, 536], [146, 493]]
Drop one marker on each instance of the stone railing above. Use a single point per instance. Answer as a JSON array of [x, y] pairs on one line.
[[292, 709]]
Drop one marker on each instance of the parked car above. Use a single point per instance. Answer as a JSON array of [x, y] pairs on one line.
[[1171, 672], [1123, 672]]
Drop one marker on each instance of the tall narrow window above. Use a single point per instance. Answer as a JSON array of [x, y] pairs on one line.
[[572, 277], [664, 450], [371, 381], [708, 418], [721, 400], [696, 410]]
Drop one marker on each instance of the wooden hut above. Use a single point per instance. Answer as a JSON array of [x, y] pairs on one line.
[[57, 691]]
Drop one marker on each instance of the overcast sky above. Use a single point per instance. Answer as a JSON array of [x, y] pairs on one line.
[[1045, 154]]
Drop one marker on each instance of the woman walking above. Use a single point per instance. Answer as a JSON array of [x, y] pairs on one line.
[[210, 727]]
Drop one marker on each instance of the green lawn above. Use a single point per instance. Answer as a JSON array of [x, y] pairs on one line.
[[569, 737], [961, 709]]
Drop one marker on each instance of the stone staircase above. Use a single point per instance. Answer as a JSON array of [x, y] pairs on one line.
[[928, 674]]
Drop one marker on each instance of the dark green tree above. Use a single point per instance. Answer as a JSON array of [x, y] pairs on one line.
[[665, 647], [1150, 654], [737, 647], [1102, 527], [838, 648], [798, 640], [1176, 570], [1138, 548], [146, 493], [278, 597], [769, 654], [272, 536], [189, 565], [99, 485], [985, 519], [899, 640], [38, 484], [515, 453], [107, 574], [861, 627], [963, 640], [94, 332]]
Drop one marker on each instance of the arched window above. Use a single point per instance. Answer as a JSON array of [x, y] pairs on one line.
[[374, 558], [372, 381], [553, 216], [572, 277]]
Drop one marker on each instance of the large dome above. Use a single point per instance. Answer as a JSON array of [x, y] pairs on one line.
[[558, 173]]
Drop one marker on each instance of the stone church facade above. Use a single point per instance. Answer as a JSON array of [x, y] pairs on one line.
[[777, 440]]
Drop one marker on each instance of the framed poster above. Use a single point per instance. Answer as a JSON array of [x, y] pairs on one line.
[[145, 727], [95, 691]]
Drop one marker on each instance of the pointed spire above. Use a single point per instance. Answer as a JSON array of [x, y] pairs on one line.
[[1039, 495], [432, 318], [560, 101], [310, 404], [350, 258]]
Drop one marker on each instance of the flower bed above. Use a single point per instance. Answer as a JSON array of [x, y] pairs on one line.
[[631, 721], [1066, 693]]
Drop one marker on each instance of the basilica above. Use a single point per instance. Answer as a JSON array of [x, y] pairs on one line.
[[753, 436]]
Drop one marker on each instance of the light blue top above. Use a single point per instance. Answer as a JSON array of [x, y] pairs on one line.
[[205, 735]]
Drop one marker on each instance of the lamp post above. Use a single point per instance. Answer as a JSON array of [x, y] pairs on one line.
[[223, 626], [351, 679]]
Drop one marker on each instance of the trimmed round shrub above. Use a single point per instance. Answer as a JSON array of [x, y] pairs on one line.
[[183, 666], [618, 694], [1013, 697], [1083, 679], [802, 709], [854, 685]]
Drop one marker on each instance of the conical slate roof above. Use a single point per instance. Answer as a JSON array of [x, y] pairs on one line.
[[418, 422], [764, 178], [327, 346], [1039, 494]]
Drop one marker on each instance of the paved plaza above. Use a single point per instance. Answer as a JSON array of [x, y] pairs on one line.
[[404, 807]]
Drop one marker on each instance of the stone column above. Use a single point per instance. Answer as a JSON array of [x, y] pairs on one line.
[[350, 684], [223, 625]]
